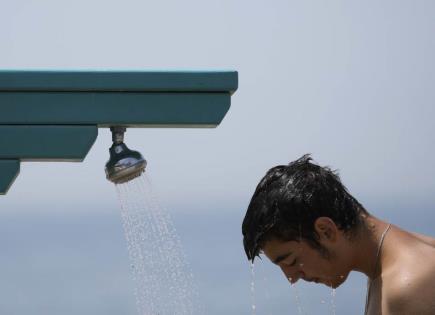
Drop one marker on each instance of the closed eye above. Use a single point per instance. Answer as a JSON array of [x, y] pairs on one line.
[[288, 264], [281, 258]]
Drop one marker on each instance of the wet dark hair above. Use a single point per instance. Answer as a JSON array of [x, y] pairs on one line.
[[290, 198]]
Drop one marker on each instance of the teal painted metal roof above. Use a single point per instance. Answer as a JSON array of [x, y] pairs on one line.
[[55, 115], [47, 143], [129, 109], [9, 170], [111, 80]]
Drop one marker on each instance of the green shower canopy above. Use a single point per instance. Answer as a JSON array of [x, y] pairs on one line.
[[55, 115]]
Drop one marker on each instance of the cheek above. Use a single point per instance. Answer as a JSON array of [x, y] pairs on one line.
[[335, 271], [318, 268], [318, 265]]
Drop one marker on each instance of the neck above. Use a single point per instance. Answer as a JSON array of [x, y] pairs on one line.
[[365, 247]]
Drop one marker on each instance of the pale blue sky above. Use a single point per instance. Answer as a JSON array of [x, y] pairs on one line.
[[349, 81]]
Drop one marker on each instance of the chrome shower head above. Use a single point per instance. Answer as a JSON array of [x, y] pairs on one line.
[[124, 164]]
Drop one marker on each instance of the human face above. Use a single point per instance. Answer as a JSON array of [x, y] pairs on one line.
[[298, 260]]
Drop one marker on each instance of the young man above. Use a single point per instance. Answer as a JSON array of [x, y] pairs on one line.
[[306, 222]]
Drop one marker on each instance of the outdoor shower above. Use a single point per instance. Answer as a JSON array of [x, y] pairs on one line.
[[55, 115], [124, 164]]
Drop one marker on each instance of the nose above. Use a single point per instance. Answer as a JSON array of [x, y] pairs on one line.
[[291, 274]]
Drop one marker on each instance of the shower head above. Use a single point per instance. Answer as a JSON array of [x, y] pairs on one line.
[[124, 164]]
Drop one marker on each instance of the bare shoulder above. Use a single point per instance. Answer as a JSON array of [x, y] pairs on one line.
[[409, 286], [424, 238]]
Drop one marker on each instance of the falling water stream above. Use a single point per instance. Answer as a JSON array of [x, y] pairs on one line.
[[333, 301], [267, 293], [253, 304], [163, 281], [297, 297]]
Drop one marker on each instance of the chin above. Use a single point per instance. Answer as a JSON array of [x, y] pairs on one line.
[[336, 283], [331, 285]]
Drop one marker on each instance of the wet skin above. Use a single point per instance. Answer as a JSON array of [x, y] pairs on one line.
[[406, 283], [298, 260], [403, 283]]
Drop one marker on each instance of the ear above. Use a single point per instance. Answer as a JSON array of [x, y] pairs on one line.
[[326, 229]]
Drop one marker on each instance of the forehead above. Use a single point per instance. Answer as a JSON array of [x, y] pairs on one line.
[[275, 248]]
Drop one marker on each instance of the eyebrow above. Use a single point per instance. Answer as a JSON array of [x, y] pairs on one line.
[[278, 259]]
